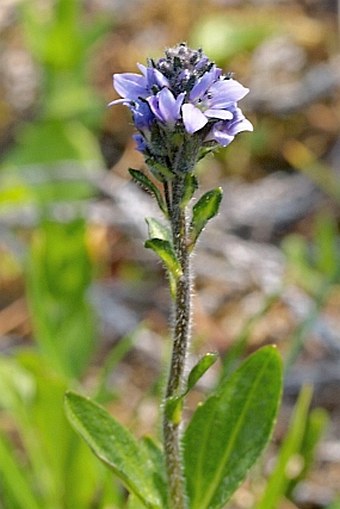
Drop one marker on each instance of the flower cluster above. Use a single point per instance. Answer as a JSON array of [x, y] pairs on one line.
[[182, 93]]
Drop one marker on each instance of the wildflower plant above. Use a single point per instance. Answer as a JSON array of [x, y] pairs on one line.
[[183, 107]]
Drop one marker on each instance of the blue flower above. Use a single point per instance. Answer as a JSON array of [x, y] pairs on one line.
[[185, 92], [141, 144], [212, 98], [224, 132], [165, 106]]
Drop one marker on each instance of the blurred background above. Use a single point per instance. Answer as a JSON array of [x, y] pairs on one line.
[[84, 305]]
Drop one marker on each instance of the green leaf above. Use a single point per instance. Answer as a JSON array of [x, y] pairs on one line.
[[145, 183], [326, 248], [59, 272], [48, 141], [230, 429], [315, 427], [206, 208], [173, 408], [15, 478], [190, 186], [115, 446], [156, 455], [174, 405], [334, 505], [134, 502], [157, 230], [200, 368], [167, 254], [159, 171], [289, 452]]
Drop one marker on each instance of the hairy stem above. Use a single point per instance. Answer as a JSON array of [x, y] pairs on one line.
[[181, 336]]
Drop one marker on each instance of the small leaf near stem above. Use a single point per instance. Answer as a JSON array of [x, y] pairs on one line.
[[200, 368], [145, 183], [190, 186], [206, 208], [167, 254], [157, 230], [174, 405]]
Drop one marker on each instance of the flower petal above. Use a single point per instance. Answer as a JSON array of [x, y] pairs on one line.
[[130, 85], [217, 113], [153, 103], [203, 83], [169, 107], [226, 92], [141, 145], [217, 134], [142, 68], [240, 126], [155, 78], [142, 116], [224, 132], [193, 118]]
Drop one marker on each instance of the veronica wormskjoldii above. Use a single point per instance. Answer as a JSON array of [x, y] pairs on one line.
[[181, 96]]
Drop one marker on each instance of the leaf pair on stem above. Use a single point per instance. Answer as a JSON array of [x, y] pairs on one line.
[[224, 438]]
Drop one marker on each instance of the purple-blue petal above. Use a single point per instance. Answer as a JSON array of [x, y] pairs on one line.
[[141, 145], [165, 106], [217, 113], [130, 85], [203, 84], [169, 107], [155, 78], [225, 92], [142, 115], [193, 118], [223, 138], [240, 126], [160, 79], [239, 122], [224, 132], [142, 68]]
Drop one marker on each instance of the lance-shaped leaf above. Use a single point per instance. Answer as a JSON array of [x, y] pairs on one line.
[[279, 480], [200, 368], [167, 254], [156, 455], [135, 502], [157, 230], [230, 429], [145, 183], [206, 208], [190, 186], [116, 447], [159, 171], [174, 405]]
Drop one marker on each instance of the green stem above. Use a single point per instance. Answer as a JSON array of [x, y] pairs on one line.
[[181, 336]]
